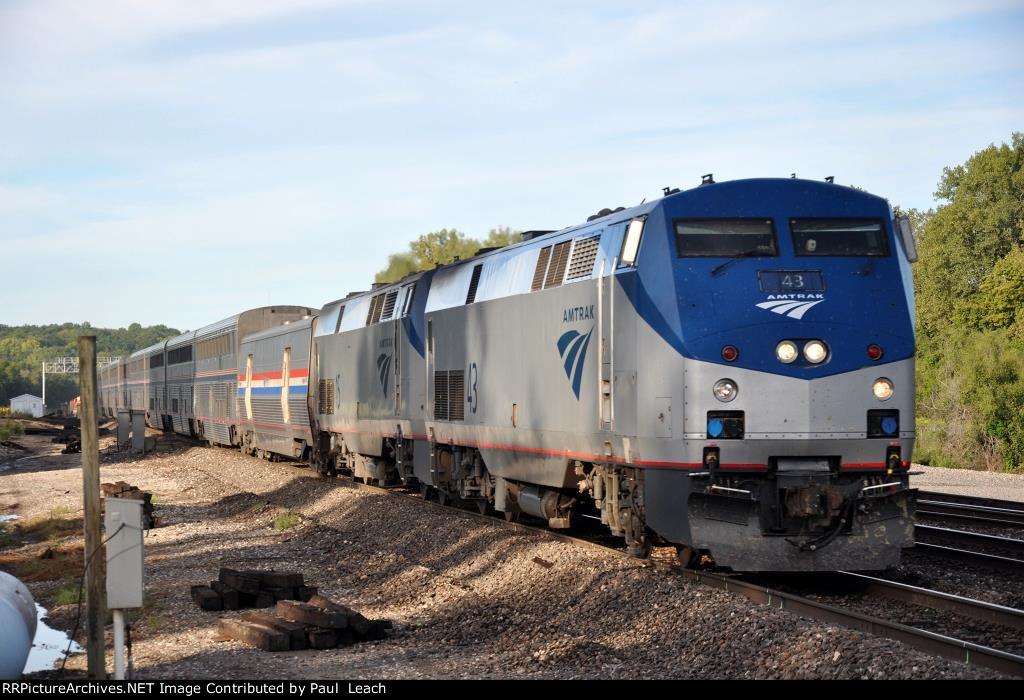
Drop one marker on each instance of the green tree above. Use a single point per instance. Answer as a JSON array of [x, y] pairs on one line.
[[970, 302], [982, 222], [501, 237], [24, 348], [440, 248]]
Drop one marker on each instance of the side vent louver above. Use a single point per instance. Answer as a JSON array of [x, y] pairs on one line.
[[341, 315], [456, 394], [584, 253], [376, 306], [440, 396], [474, 283], [556, 269], [541, 270], [449, 402], [325, 397], [389, 304]]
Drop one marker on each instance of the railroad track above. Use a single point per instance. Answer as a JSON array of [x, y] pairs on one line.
[[1005, 554], [989, 512], [924, 640]]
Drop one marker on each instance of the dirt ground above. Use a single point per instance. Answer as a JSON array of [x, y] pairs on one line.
[[468, 598]]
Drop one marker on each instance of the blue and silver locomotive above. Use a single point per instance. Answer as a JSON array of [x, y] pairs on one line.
[[729, 370]]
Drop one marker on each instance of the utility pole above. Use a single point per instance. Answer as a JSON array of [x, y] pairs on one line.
[[94, 583]]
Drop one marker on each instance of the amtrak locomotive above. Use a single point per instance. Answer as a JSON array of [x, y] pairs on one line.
[[728, 369]]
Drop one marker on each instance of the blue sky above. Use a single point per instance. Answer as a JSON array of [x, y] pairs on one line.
[[199, 158]]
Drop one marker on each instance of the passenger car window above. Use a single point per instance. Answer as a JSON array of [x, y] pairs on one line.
[[839, 237], [725, 237]]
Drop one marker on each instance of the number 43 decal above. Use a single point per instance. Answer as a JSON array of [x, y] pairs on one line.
[[471, 397]]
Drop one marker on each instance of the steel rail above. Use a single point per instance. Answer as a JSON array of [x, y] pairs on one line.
[[939, 513], [969, 539], [975, 501], [1008, 564], [980, 511], [937, 600], [931, 642]]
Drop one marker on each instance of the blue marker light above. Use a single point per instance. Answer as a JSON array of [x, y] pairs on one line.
[[714, 427], [889, 425]]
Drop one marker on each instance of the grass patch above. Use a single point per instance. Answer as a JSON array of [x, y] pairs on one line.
[[9, 428], [42, 563], [51, 528], [70, 594], [286, 520], [6, 540]]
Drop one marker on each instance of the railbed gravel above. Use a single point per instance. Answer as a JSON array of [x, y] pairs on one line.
[[926, 570], [467, 597], [824, 590]]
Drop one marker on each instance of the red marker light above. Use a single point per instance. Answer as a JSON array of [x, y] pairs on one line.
[[874, 352], [730, 353]]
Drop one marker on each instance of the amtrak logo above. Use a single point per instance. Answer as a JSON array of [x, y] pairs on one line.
[[383, 367], [572, 347], [791, 305]]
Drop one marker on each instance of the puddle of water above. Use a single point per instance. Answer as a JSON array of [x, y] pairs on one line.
[[48, 646]]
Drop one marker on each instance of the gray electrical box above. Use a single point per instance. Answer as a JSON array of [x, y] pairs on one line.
[[123, 525], [138, 432]]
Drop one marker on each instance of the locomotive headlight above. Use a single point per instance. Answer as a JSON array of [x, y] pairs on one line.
[[786, 351], [725, 390], [882, 389], [815, 352]]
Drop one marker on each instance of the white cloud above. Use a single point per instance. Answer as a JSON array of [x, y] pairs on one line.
[[224, 154]]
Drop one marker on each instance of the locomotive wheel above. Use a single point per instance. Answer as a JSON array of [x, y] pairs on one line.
[[443, 498], [687, 556], [425, 492], [482, 505], [511, 516]]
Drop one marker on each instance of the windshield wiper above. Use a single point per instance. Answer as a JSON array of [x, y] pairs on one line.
[[745, 254]]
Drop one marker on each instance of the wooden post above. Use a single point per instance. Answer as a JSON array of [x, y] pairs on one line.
[[94, 584]]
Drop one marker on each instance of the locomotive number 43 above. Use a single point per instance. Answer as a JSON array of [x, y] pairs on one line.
[[791, 281]]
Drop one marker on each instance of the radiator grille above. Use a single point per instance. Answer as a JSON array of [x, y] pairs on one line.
[[325, 397], [584, 253], [440, 395], [449, 387], [456, 395]]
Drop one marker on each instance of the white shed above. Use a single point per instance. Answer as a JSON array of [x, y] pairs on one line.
[[27, 403]]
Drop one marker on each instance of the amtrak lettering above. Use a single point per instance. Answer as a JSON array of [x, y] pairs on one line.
[[578, 313], [793, 305]]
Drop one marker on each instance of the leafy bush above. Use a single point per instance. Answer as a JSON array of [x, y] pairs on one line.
[[970, 299]]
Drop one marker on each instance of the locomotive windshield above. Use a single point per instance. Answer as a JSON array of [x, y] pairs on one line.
[[839, 237], [725, 237]]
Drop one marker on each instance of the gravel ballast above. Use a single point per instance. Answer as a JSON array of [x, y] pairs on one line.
[[468, 598], [1009, 487]]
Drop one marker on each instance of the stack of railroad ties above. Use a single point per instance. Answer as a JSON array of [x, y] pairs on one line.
[[302, 619], [122, 489]]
